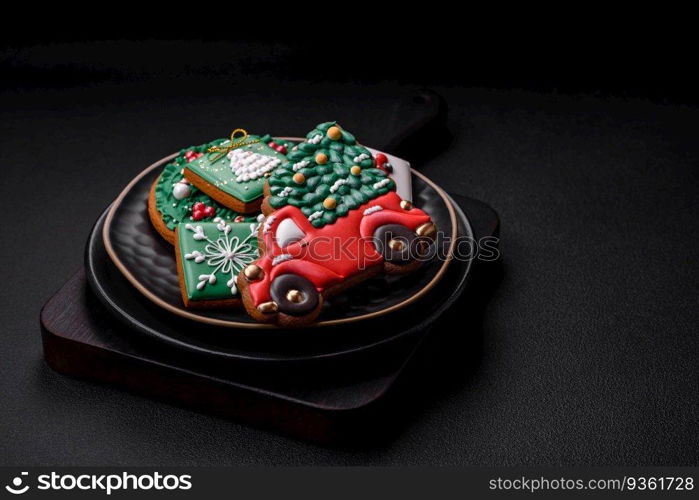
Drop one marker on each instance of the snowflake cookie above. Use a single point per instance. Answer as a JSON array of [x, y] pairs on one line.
[[210, 256]]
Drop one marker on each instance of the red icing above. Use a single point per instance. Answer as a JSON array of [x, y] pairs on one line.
[[382, 163], [315, 257], [191, 155], [201, 211]]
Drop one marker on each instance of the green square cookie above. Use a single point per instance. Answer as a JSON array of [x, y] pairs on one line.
[[235, 179], [209, 257]]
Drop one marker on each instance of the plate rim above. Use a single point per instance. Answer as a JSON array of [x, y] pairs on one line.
[[263, 326]]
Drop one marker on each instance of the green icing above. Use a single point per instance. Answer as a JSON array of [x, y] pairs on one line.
[[212, 255], [218, 171], [174, 211], [332, 179]]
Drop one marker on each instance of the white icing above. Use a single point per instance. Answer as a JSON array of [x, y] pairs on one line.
[[281, 258], [299, 165], [222, 225], [361, 158], [337, 185], [288, 232], [227, 254], [381, 183], [268, 223], [181, 190], [198, 232], [373, 209], [315, 215], [315, 139], [285, 192], [196, 255], [248, 166], [401, 175]]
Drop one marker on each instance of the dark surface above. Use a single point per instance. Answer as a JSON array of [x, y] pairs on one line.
[[588, 352]]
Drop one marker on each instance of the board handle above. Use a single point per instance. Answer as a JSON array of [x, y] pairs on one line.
[[417, 127]]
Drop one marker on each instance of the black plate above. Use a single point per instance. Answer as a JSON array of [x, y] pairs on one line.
[[141, 315], [149, 262]]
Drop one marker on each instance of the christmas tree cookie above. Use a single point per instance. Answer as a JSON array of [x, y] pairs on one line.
[[234, 172], [209, 257], [327, 175], [333, 220]]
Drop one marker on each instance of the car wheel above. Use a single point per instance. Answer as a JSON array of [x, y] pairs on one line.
[[396, 243], [294, 294]]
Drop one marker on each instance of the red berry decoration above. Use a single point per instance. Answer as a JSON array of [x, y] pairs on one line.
[[382, 163], [197, 215], [239, 218], [198, 206], [272, 144], [191, 155], [281, 149], [209, 211]]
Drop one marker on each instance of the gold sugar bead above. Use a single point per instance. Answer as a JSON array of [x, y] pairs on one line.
[[334, 133], [428, 230], [253, 273], [356, 170], [270, 307], [321, 158], [396, 245], [330, 203], [294, 296], [299, 178]]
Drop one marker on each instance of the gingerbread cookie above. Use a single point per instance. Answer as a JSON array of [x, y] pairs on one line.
[[209, 257], [234, 172], [173, 199], [332, 220]]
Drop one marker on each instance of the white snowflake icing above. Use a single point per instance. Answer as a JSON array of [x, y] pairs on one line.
[[227, 254], [361, 158], [315, 139]]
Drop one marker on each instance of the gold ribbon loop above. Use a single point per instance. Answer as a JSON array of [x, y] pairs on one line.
[[235, 142]]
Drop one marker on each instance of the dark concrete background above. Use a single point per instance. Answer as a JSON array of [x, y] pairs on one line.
[[589, 344]]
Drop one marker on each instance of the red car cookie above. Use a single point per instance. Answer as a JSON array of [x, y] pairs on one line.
[[332, 220]]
